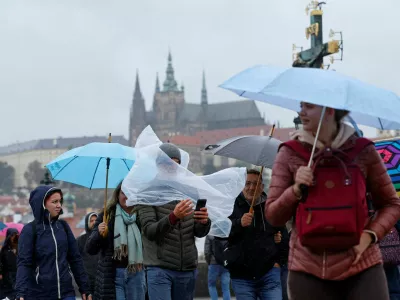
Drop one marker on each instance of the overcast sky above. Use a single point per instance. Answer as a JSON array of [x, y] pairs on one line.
[[67, 68]]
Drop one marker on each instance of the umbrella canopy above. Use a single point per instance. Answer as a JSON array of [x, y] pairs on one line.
[[287, 87], [255, 149], [2, 226], [17, 226], [86, 165], [390, 153]]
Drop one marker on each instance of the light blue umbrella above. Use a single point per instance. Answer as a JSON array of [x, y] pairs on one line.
[[87, 165], [287, 87]]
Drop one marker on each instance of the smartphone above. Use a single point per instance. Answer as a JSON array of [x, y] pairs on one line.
[[200, 204]]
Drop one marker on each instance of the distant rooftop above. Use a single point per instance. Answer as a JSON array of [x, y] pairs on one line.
[[58, 143]]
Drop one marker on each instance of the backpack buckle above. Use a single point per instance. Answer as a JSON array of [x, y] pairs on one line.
[[347, 181]]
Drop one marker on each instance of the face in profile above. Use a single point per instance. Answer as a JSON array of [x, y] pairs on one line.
[[310, 114]]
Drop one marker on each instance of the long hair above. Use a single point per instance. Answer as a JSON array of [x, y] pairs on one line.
[[112, 203]]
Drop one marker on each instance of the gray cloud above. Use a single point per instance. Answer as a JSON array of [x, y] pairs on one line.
[[67, 68]]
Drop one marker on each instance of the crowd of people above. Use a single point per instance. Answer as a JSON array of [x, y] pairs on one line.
[[277, 248]]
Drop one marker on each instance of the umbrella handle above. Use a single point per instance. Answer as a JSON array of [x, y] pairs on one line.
[[105, 217], [251, 210], [304, 188]]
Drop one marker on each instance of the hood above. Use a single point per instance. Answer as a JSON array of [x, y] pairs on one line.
[[87, 220], [10, 231], [36, 201]]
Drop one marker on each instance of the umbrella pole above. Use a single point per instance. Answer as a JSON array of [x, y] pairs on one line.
[[316, 136], [105, 217], [254, 197]]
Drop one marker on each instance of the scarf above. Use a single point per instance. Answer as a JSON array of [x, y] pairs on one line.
[[345, 131], [127, 240]]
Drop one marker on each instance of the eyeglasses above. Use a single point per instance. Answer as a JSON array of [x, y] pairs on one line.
[[252, 183]]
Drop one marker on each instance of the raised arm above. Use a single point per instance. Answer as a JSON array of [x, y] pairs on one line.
[[95, 241], [152, 228]]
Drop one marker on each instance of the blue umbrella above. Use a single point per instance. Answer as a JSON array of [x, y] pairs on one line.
[[95, 165], [2, 226], [87, 165], [287, 87]]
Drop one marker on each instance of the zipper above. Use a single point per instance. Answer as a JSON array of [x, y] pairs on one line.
[[311, 209], [323, 264], [58, 271], [37, 275], [69, 271]]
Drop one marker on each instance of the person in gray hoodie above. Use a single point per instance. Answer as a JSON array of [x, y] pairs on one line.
[[89, 261]]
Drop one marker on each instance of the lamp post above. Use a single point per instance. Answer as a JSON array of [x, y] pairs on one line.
[[297, 122]]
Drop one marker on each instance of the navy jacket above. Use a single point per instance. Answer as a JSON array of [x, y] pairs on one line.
[[44, 269]]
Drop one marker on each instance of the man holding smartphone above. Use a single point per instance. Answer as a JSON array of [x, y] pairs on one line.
[[168, 234]]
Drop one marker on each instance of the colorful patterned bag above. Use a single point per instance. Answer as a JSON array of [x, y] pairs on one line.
[[390, 247]]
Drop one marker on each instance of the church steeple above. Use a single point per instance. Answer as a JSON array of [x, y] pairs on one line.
[[157, 84], [204, 98], [170, 83], [138, 113]]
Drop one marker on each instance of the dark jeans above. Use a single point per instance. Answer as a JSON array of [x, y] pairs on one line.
[[166, 284], [267, 287], [393, 281], [215, 271], [129, 285], [367, 285]]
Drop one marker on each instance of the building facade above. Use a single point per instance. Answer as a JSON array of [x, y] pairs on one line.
[[172, 115], [20, 155]]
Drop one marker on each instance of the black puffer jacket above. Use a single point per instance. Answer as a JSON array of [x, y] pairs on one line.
[[8, 265], [169, 246], [105, 276], [258, 248], [89, 261]]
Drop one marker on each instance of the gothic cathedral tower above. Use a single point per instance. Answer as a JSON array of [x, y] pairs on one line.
[[168, 103], [137, 121]]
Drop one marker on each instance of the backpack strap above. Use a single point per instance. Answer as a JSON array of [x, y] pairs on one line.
[[298, 147], [361, 144]]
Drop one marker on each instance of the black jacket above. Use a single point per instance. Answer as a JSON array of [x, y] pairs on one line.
[[89, 261], [8, 265], [258, 248], [104, 247]]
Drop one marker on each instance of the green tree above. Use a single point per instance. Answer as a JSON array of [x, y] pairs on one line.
[[7, 174], [34, 174]]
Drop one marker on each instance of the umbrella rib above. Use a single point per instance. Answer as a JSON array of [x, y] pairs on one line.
[[95, 171], [75, 157], [124, 160], [380, 122]]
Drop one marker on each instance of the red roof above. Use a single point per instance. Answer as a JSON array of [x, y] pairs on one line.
[[202, 138]]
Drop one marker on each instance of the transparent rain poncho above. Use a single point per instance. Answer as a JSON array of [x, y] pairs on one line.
[[155, 180]]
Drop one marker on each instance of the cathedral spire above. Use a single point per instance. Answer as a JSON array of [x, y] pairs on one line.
[[157, 84], [137, 93], [204, 98], [170, 83]]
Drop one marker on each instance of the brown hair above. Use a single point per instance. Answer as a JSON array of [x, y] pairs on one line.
[[254, 172], [112, 203], [340, 114]]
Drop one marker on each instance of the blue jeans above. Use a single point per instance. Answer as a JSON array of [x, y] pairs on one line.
[[129, 285], [166, 284], [284, 276], [393, 281], [267, 287], [215, 271]]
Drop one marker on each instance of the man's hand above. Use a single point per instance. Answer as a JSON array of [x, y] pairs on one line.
[[278, 237], [201, 215], [276, 265], [183, 209], [246, 220], [86, 298]]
